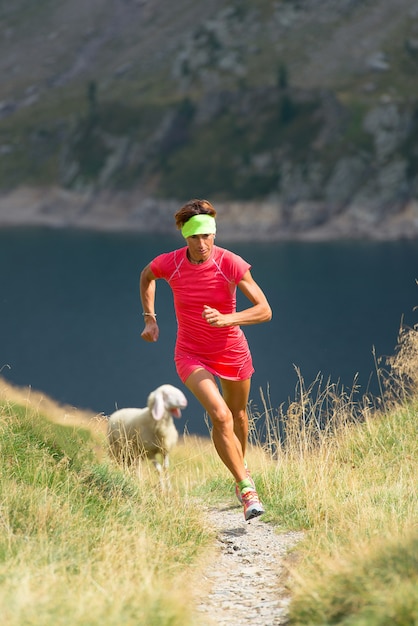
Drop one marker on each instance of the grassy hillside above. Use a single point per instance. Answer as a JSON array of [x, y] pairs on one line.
[[83, 541], [298, 101]]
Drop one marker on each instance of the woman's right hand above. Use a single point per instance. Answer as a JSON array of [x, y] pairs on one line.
[[151, 331]]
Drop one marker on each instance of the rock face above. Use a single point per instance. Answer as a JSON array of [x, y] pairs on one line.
[[251, 221], [121, 112]]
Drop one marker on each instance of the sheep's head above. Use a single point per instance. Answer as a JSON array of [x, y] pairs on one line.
[[166, 398]]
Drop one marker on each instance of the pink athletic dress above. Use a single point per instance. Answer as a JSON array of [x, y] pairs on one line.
[[222, 351]]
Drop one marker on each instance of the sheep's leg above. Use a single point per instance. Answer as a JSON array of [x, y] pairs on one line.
[[165, 474], [159, 469], [158, 466]]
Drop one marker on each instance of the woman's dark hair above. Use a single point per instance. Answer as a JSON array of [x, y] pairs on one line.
[[193, 207]]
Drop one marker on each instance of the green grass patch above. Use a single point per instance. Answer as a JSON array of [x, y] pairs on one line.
[[82, 538]]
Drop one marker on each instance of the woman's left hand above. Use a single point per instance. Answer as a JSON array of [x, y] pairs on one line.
[[213, 317]]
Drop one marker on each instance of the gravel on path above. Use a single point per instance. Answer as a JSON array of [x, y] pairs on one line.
[[244, 582]]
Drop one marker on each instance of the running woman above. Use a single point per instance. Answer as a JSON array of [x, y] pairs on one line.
[[210, 344]]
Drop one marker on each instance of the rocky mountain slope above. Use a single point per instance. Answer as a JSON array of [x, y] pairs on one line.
[[302, 114]]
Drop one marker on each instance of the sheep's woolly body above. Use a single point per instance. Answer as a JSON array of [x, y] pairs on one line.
[[145, 436], [134, 434]]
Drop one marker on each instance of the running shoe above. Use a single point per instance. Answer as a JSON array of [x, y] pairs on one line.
[[238, 490], [252, 505]]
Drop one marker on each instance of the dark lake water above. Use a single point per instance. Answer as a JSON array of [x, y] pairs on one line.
[[70, 315]]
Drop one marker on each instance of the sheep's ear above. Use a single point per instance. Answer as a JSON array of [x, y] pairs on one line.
[[158, 407]]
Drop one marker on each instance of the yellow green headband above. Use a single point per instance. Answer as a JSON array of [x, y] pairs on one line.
[[202, 224]]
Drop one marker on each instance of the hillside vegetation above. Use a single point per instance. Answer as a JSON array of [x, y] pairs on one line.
[[309, 106], [84, 542]]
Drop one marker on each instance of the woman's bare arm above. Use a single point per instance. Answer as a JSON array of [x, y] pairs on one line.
[[147, 293], [260, 310]]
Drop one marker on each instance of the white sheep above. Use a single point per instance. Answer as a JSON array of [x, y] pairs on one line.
[[135, 434]]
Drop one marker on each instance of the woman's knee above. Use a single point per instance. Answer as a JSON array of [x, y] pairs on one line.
[[240, 416], [222, 418]]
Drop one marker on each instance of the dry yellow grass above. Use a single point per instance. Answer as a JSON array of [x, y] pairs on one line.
[[345, 473]]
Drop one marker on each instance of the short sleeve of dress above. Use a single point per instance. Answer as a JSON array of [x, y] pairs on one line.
[[234, 266], [159, 265]]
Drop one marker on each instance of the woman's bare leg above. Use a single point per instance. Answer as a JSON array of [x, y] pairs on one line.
[[235, 394], [228, 445]]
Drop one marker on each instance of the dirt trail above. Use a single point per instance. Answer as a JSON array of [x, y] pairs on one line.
[[244, 584]]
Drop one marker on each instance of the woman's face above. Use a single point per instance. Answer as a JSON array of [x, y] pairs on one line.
[[200, 247]]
